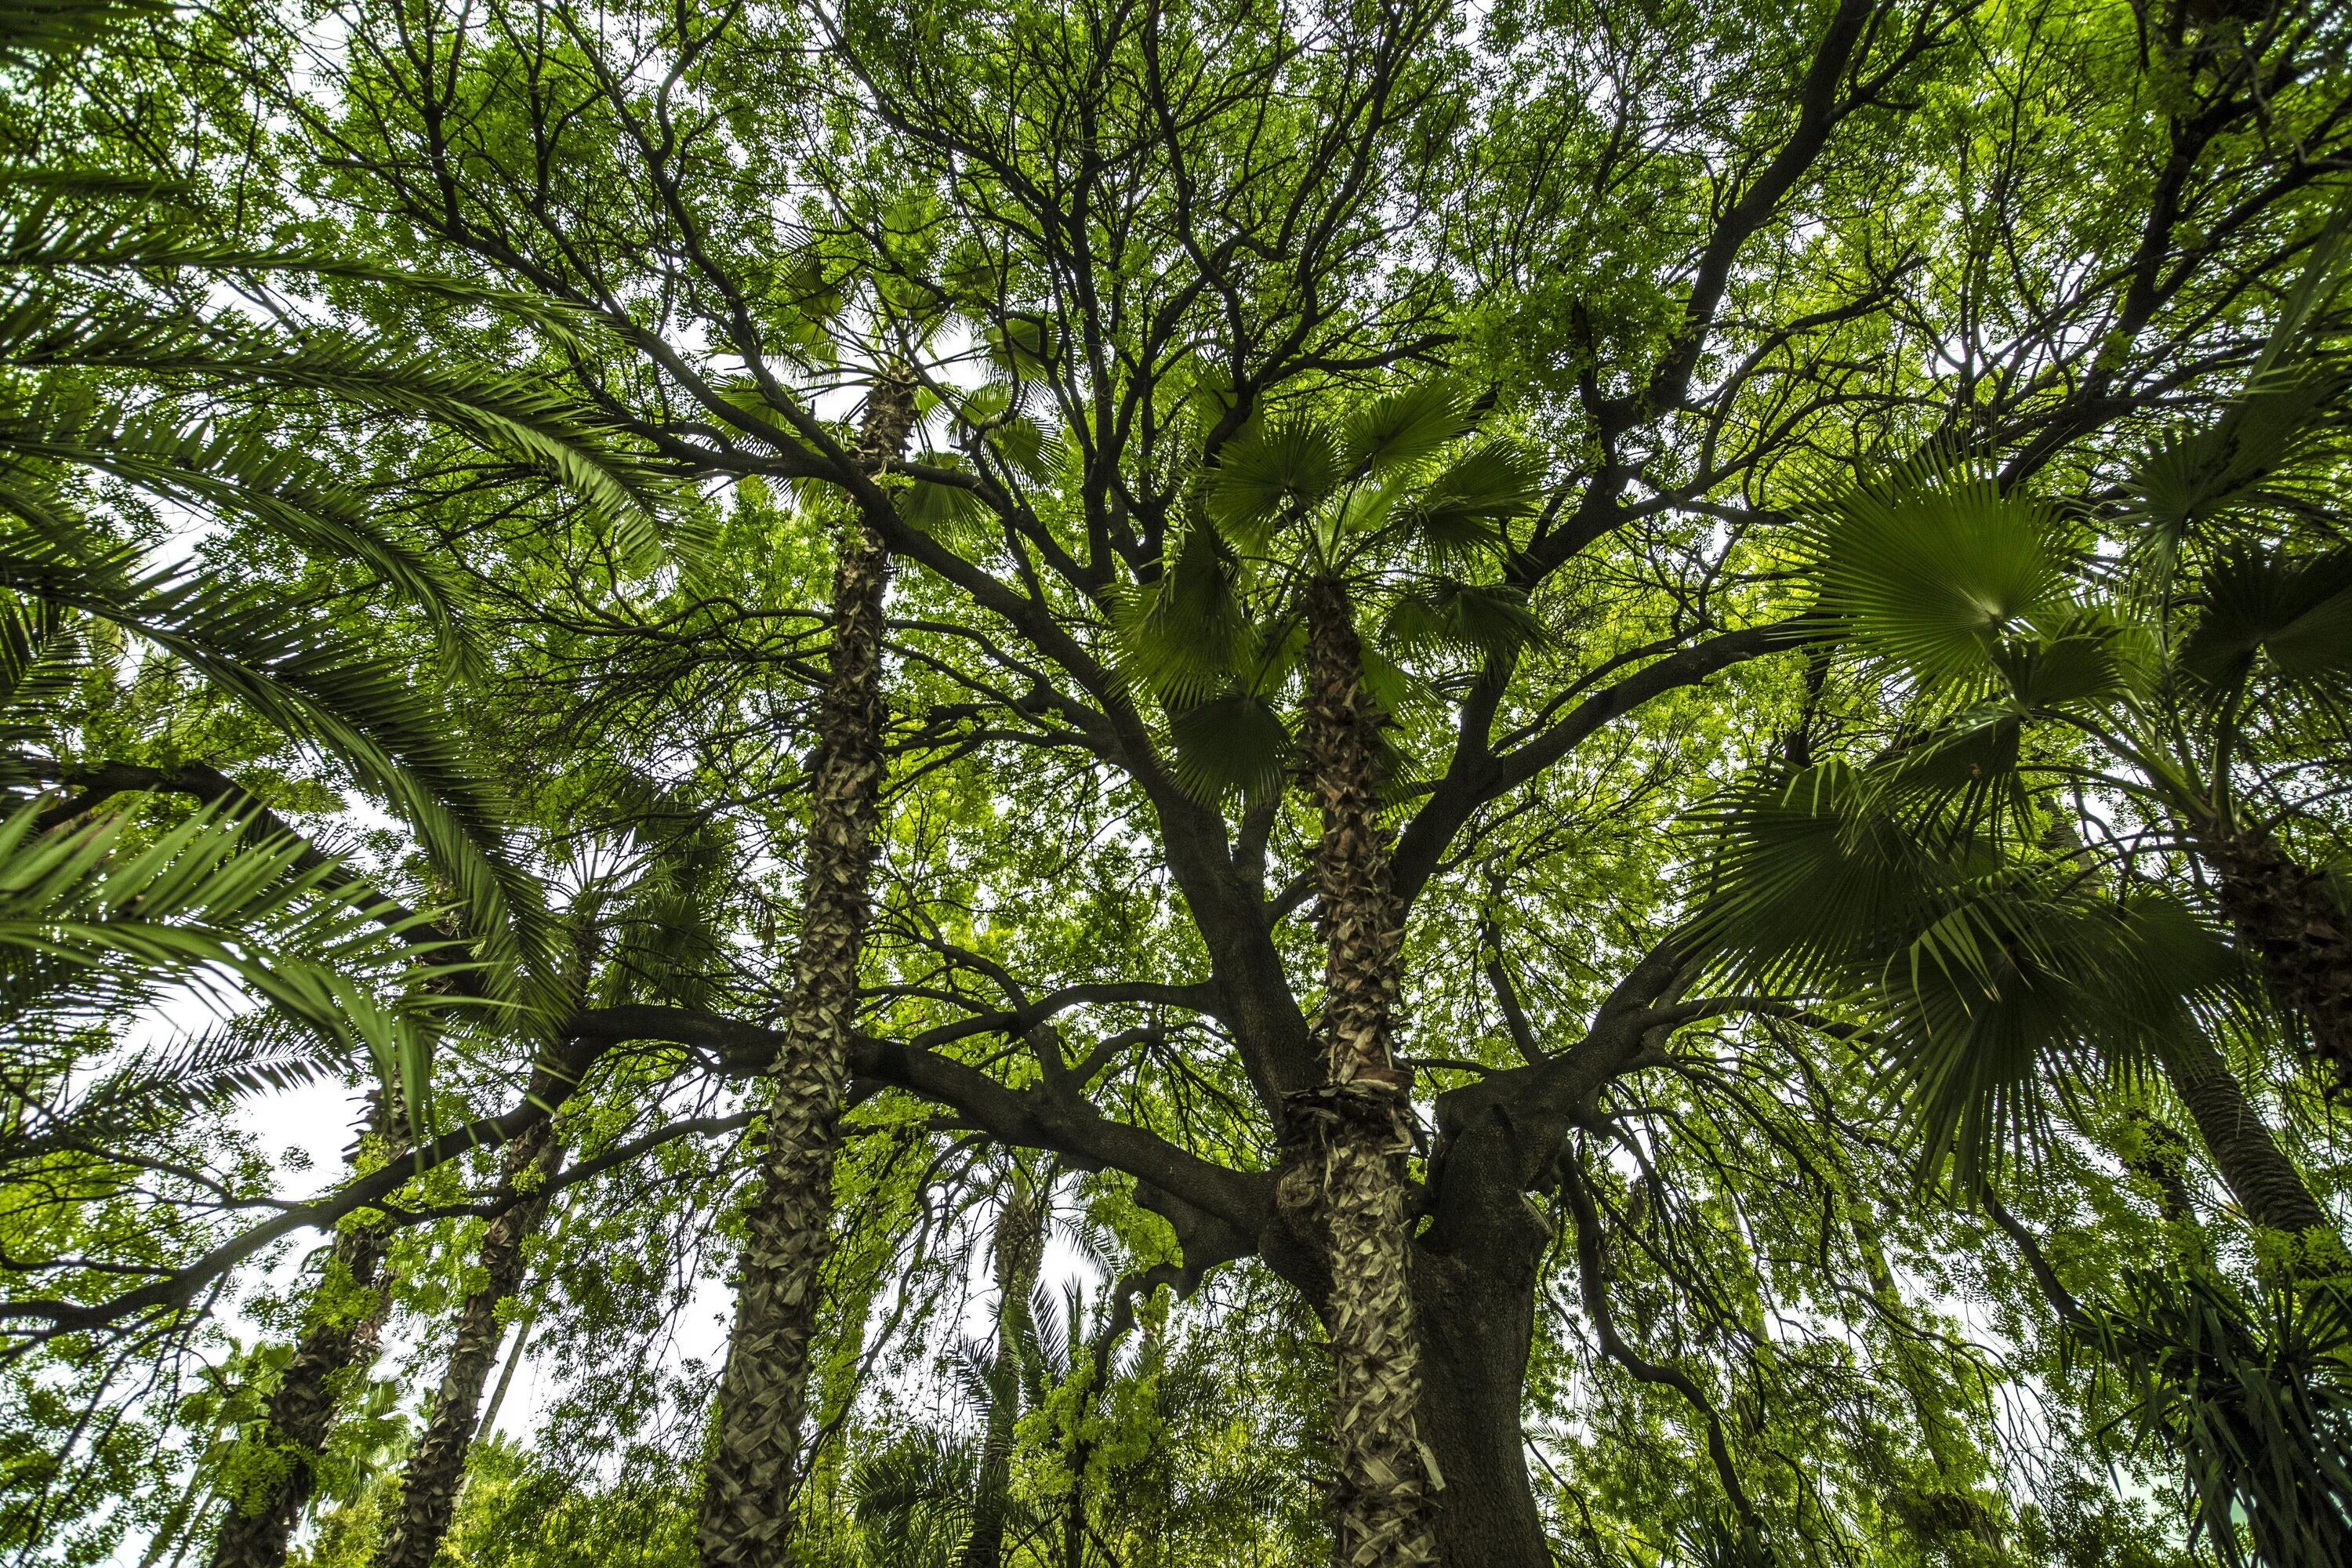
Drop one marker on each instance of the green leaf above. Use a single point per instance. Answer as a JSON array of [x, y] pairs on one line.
[[1398, 432], [2254, 602], [1930, 572], [1268, 475], [1188, 634], [1234, 744], [1467, 509]]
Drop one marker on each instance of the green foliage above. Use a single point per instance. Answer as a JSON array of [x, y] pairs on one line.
[[2255, 1394], [1842, 508]]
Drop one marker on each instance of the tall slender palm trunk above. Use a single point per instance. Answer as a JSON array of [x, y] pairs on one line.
[[2287, 914], [763, 1394], [2259, 1175], [428, 1494], [346, 1321], [1020, 1255], [1355, 1129]]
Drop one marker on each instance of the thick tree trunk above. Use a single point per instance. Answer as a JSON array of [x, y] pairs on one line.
[[2263, 1179], [1019, 1253], [1354, 1129], [428, 1492], [1473, 1284], [346, 1320], [763, 1393], [2289, 916]]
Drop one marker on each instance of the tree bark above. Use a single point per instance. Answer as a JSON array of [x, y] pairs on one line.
[[1353, 1131], [1473, 1284], [2288, 915], [744, 1519], [346, 1321], [428, 1492], [2261, 1178]]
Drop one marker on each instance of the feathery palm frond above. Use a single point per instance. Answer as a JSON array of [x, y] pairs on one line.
[[320, 686], [91, 924], [149, 1093]]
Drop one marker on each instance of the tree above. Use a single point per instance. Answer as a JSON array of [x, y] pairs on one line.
[[765, 1391], [1715, 264]]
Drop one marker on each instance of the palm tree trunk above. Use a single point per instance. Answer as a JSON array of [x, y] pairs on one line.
[[1019, 1253], [346, 1320], [2287, 913], [763, 1393], [428, 1493], [1355, 1129], [2263, 1179]]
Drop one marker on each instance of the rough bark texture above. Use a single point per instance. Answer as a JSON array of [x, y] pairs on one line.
[[2261, 1178], [428, 1493], [763, 1394], [346, 1323], [2289, 915], [1353, 1131]]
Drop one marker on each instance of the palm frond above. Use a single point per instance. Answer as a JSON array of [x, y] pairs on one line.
[[2251, 1395], [2254, 605], [1990, 979], [1457, 617], [32, 30], [1469, 507], [92, 922], [319, 686], [1268, 474], [1235, 743], [1930, 569], [1188, 634], [1396, 433]]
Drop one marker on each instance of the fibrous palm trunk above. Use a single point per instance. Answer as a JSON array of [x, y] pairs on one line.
[[2260, 1176], [428, 1493], [2287, 914], [1019, 1253], [763, 1395], [1354, 1129], [346, 1320]]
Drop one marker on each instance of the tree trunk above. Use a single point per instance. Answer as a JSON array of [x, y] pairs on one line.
[[2264, 1180], [763, 1395], [2289, 915], [346, 1320], [1475, 1299], [1353, 1131], [1019, 1253], [428, 1492]]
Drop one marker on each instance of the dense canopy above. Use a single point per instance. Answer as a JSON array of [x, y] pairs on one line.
[[1118, 782]]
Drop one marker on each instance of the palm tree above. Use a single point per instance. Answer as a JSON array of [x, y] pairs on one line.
[[1299, 523], [119, 375], [763, 1391], [932, 1501], [2173, 651], [1992, 972]]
